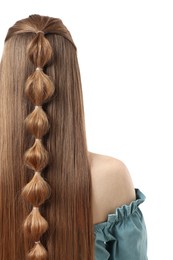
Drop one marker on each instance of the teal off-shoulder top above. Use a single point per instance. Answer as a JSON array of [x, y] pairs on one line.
[[123, 236]]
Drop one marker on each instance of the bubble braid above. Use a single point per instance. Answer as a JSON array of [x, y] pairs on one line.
[[38, 89]]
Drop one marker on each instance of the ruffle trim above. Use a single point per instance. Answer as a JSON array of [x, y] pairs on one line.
[[121, 212]]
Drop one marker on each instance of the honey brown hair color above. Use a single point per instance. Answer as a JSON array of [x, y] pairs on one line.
[[45, 176]]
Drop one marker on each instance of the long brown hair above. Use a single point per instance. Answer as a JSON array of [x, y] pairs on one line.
[[45, 176]]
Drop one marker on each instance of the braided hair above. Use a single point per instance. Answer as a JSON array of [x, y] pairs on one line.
[[57, 208], [39, 89]]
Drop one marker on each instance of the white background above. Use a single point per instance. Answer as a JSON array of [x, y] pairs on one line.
[[125, 51]]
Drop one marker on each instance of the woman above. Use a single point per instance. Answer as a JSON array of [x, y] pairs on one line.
[[57, 199]]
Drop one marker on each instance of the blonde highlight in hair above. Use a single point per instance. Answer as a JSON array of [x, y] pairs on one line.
[[43, 146]]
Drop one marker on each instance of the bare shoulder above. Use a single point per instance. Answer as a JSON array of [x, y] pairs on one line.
[[112, 184]]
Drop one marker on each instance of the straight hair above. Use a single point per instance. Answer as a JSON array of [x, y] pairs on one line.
[[45, 176]]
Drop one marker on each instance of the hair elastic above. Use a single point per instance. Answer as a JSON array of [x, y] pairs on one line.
[[37, 242], [39, 32], [38, 139], [38, 68], [38, 172], [35, 207]]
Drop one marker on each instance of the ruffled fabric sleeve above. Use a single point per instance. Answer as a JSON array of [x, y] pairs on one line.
[[123, 236]]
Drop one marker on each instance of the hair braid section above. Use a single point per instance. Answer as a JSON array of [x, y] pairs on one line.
[[38, 89]]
